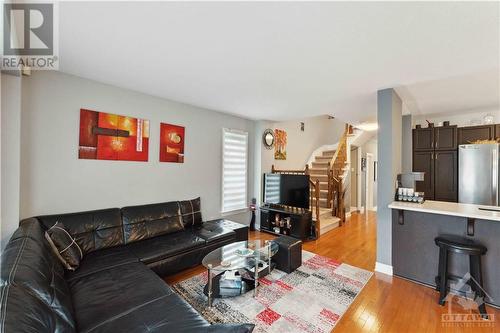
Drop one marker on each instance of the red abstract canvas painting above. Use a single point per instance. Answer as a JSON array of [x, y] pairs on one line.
[[106, 136], [171, 143]]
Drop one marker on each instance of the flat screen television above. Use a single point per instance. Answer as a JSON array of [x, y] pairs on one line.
[[288, 190]]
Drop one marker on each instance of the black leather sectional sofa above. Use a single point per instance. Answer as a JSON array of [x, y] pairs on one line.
[[117, 287]]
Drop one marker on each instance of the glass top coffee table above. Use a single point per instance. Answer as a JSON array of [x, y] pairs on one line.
[[245, 261]]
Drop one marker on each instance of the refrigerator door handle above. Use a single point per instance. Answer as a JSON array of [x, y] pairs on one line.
[[494, 177]]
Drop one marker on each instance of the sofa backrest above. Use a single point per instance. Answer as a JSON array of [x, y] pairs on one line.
[[93, 230], [32, 284], [146, 221]]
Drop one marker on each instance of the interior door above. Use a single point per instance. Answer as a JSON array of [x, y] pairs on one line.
[[446, 176], [423, 161]]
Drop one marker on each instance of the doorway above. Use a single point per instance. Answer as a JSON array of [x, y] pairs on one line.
[[370, 179], [355, 189]]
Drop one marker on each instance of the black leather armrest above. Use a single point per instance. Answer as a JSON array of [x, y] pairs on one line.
[[230, 328]]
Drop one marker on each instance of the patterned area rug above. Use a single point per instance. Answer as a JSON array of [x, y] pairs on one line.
[[311, 299]]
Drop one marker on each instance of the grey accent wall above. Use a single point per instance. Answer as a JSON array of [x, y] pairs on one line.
[[389, 113], [10, 155], [54, 180], [407, 148]]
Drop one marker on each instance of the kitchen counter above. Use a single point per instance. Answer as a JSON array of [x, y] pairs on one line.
[[415, 255], [451, 209]]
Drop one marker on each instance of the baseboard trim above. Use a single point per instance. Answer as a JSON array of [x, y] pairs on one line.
[[383, 268]]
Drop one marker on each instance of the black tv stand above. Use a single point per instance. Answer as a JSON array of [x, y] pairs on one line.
[[300, 221]]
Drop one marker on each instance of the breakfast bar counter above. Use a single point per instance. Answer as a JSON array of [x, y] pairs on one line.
[[415, 256], [451, 208]]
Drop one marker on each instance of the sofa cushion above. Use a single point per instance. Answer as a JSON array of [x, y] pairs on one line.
[[241, 230], [27, 262], [147, 221], [161, 247], [191, 212], [213, 232], [109, 294], [165, 314], [101, 260], [21, 311], [64, 246], [93, 230]]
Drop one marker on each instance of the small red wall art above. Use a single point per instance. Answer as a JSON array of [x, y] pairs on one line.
[[106, 136], [171, 143]]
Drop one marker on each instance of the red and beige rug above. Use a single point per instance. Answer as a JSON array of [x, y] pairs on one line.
[[311, 299]]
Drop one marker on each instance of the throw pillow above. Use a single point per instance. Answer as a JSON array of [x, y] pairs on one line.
[[191, 212], [64, 246]]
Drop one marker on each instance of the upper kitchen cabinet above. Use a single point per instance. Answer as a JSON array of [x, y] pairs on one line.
[[445, 138], [497, 131], [435, 138], [470, 134], [423, 139]]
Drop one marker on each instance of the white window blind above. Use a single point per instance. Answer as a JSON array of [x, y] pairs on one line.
[[234, 169]]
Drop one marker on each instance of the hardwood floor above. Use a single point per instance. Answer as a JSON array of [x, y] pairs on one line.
[[386, 304]]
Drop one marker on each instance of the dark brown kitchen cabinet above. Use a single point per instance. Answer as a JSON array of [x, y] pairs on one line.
[[423, 139], [439, 138], [423, 161], [497, 131], [445, 138], [435, 154], [470, 134], [446, 176]]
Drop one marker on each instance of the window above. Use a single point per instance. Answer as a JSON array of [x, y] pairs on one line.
[[234, 169]]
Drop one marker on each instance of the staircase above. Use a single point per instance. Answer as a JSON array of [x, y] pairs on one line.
[[329, 168], [319, 171], [327, 171]]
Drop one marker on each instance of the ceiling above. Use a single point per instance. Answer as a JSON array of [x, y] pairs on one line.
[[281, 61]]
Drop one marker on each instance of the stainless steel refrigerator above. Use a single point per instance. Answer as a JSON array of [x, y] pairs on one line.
[[478, 167]]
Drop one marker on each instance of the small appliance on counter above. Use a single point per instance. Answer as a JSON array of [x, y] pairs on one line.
[[405, 189]]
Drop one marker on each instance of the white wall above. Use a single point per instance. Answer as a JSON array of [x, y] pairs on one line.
[[54, 180], [318, 131], [10, 155], [464, 118]]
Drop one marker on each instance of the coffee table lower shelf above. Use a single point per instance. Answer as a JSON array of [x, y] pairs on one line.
[[246, 286]]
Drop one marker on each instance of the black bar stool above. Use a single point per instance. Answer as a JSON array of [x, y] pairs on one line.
[[462, 246]]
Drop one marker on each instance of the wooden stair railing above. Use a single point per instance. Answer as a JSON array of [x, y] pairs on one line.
[[336, 190], [314, 189]]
